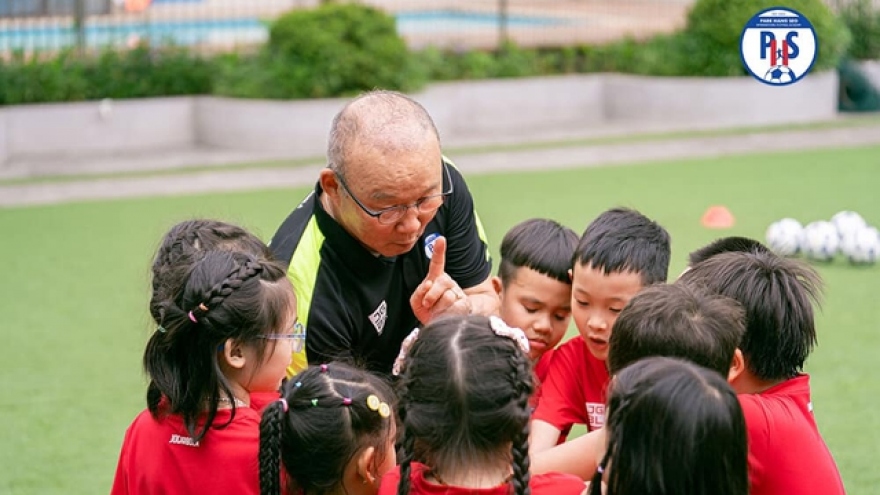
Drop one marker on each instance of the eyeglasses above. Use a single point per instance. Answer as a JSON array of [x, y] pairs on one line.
[[392, 214], [297, 338]]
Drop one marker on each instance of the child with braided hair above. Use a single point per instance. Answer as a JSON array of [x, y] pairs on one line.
[[225, 335], [184, 244], [464, 389], [332, 431]]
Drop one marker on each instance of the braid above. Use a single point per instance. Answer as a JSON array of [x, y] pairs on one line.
[[521, 375], [217, 294], [596, 482], [270, 449], [406, 452]]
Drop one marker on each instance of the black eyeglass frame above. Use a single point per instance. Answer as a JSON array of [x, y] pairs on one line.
[[402, 209]]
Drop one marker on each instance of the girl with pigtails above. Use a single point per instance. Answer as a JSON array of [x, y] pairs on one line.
[[226, 329], [332, 431], [464, 389]]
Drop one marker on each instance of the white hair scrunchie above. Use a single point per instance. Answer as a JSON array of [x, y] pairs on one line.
[[404, 349], [502, 329]]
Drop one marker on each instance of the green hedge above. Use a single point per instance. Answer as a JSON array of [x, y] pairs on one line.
[[714, 27], [332, 50], [339, 49], [863, 21], [136, 73]]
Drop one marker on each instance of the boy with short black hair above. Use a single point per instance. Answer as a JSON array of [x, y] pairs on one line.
[[786, 451], [730, 244], [680, 321], [534, 285], [620, 252], [676, 320]]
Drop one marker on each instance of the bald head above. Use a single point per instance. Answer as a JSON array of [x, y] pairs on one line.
[[385, 121]]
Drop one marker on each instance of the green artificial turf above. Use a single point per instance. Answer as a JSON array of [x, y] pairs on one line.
[[74, 290]]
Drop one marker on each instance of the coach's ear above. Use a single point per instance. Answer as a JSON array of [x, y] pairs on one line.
[[329, 183], [737, 367]]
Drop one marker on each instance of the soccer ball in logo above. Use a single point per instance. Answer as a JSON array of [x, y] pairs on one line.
[[820, 240], [784, 236], [861, 246], [780, 74]]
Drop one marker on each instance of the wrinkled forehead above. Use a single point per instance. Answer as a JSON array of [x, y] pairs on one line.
[[393, 167]]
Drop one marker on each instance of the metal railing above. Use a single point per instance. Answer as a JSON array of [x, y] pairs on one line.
[[221, 25]]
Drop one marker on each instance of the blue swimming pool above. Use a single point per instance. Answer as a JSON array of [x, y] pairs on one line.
[[454, 20], [246, 30]]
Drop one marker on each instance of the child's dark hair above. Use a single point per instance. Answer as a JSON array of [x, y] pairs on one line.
[[673, 427], [677, 321], [325, 419], [543, 245], [778, 295], [624, 240], [226, 295], [464, 397], [184, 243], [731, 244]]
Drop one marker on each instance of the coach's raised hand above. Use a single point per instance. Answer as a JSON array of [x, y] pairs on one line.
[[438, 293]]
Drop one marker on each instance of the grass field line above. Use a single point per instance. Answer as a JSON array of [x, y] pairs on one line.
[[477, 161]]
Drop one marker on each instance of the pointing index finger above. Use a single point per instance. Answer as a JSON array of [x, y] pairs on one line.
[[437, 266]]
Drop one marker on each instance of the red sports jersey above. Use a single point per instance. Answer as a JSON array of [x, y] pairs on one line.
[[159, 457], [574, 391], [786, 451], [541, 368], [541, 484]]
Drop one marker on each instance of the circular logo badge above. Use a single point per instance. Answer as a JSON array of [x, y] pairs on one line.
[[430, 239], [778, 46]]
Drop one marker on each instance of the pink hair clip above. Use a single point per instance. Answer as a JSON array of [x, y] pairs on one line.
[[193, 317], [283, 404], [346, 401], [504, 330], [404, 350], [323, 368]]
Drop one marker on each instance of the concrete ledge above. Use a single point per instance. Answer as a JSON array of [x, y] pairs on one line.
[[95, 127], [294, 128], [492, 110], [466, 113], [733, 101], [3, 137]]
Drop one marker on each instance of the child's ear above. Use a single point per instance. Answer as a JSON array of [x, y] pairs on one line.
[[497, 285], [737, 367], [366, 465], [233, 354]]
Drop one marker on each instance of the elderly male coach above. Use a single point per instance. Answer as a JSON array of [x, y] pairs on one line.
[[388, 239]]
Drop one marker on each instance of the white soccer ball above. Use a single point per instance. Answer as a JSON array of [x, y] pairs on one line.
[[779, 74], [784, 236], [820, 241], [847, 222], [862, 246]]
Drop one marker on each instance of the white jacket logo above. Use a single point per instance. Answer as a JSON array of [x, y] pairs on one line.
[[378, 317]]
